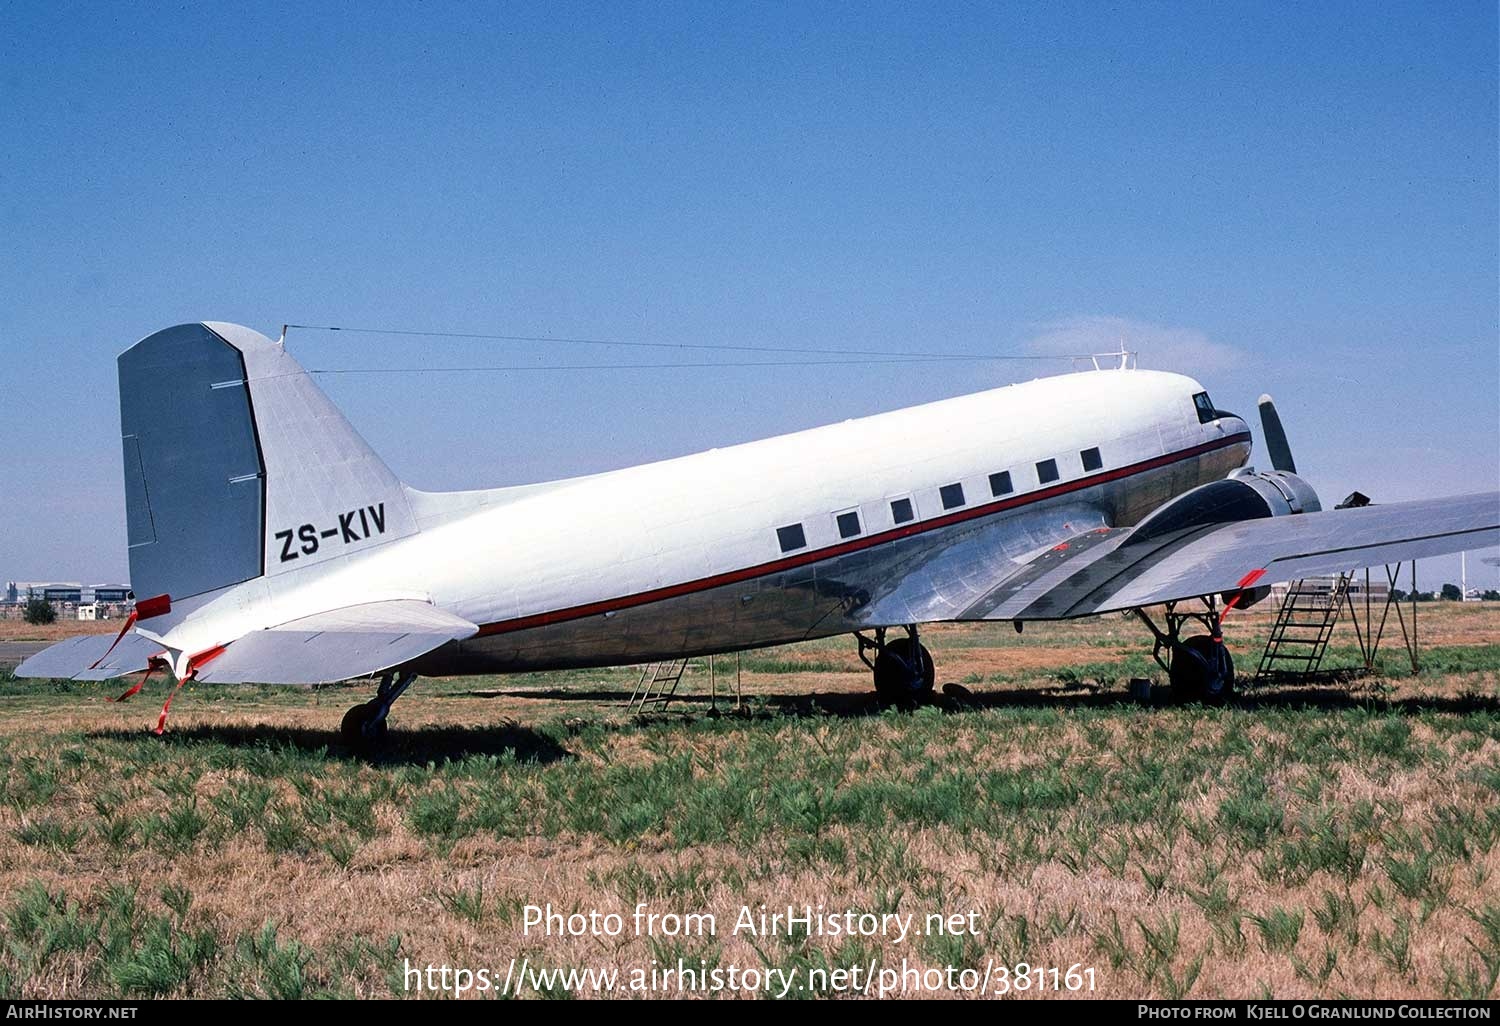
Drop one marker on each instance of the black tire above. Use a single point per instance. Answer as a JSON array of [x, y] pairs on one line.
[[1202, 671], [900, 680], [359, 728]]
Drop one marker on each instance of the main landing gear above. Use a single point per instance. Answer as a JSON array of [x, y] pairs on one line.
[[903, 668], [364, 726], [1200, 668]]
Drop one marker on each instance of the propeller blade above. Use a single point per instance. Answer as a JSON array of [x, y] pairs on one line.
[[1276, 444]]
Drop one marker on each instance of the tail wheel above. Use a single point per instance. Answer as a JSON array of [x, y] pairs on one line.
[[1202, 671], [360, 727], [902, 679]]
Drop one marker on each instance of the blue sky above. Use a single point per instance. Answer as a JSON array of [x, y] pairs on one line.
[[1294, 199]]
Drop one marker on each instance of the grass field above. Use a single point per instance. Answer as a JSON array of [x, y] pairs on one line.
[[1312, 841]]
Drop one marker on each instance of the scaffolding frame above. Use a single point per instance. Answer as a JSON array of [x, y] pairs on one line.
[[1370, 636]]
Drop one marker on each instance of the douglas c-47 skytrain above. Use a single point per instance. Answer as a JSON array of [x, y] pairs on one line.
[[268, 543]]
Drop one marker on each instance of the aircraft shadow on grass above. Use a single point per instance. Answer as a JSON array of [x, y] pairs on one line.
[[427, 744], [416, 746], [1322, 698]]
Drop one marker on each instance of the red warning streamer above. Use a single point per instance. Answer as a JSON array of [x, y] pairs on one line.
[[129, 623], [195, 663], [156, 662], [1247, 581], [136, 687]]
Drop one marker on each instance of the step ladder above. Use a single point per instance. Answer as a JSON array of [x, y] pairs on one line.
[[1305, 622], [658, 684]]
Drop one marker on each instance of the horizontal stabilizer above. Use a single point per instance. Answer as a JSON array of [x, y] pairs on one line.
[[340, 644], [75, 658]]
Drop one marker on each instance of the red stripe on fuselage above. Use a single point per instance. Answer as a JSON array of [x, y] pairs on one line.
[[858, 544]]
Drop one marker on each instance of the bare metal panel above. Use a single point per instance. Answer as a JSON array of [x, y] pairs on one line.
[[1036, 587], [950, 579], [193, 477]]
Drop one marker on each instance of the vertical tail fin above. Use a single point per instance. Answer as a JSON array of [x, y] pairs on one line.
[[237, 465]]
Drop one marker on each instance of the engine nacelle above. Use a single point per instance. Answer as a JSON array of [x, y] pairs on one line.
[[1243, 495]]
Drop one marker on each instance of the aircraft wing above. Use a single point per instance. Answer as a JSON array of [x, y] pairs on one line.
[[1108, 569], [1288, 548], [354, 641]]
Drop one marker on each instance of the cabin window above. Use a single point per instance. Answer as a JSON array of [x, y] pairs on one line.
[[1206, 412], [1000, 483], [1046, 471], [952, 495], [901, 511], [1091, 460], [791, 537], [848, 524]]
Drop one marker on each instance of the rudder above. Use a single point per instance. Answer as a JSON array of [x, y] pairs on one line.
[[237, 465]]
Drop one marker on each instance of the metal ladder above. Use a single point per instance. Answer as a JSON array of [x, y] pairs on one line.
[[1305, 622], [658, 684]]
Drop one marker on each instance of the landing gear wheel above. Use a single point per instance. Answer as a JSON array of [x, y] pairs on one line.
[[901, 680], [360, 727], [1202, 671]]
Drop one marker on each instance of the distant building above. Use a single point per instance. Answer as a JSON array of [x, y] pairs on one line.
[[68, 599], [56, 592]]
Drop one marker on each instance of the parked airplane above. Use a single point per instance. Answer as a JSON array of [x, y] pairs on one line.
[[268, 543]]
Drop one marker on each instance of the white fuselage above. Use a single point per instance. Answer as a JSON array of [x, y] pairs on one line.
[[685, 556]]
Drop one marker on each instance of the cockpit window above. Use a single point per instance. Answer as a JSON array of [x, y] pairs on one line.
[[1206, 412]]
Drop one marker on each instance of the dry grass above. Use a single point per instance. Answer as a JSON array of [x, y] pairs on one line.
[[1310, 842], [19, 630]]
